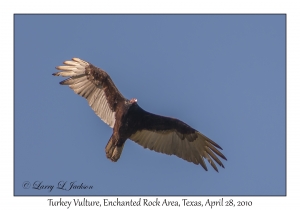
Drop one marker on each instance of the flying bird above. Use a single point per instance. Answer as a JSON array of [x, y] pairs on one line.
[[129, 121]]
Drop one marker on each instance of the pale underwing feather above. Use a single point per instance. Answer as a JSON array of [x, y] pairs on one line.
[[86, 88], [74, 80], [79, 84], [170, 143], [214, 156], [91, 99]]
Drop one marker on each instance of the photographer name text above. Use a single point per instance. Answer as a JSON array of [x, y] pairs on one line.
[[61, 185]]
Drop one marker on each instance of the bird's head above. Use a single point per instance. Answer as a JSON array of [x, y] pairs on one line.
[[133, 100]]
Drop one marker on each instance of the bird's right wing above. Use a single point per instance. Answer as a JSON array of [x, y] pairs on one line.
[[95, 85]]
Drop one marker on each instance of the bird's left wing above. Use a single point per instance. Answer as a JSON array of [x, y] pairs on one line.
[[95, 85], [174, 137]]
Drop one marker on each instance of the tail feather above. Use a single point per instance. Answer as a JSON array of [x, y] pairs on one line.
[[113, 152]]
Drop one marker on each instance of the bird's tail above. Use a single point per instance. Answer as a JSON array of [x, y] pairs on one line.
[[113, 152]]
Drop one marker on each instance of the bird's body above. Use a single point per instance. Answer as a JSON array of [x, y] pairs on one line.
[[129, 121]]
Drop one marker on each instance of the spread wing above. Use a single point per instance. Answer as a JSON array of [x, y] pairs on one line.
[[95, 85], [174, 137]]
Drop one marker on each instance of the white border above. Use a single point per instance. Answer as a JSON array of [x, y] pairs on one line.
[[154, 6]]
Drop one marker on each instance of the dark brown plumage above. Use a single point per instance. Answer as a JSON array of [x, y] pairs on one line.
[[129, 121]]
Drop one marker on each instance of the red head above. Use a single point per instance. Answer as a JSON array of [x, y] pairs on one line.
[[133, 100]]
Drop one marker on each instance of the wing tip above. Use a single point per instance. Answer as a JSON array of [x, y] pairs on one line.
[[62, 82], [205, 169], [222, 156]]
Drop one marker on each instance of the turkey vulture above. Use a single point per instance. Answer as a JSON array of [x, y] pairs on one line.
[[129, 121]]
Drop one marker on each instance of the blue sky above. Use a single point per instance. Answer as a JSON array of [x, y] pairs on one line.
[[224, 75]]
